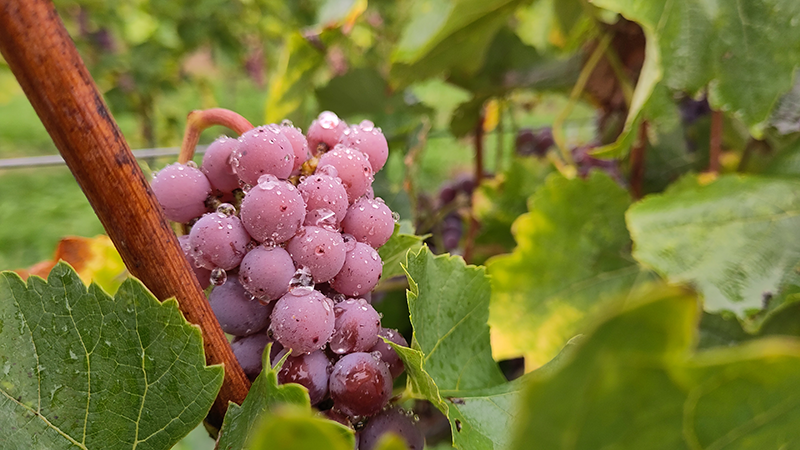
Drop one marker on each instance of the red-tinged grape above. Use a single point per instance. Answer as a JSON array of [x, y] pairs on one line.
[[353, 169], [388, 355], [217, 164], [182, 191], [272, 210], [360, 273], [321, 251], [370, 141], [299, 145], [360, 384], [263, 150], [237, 312], [325, 191], [391, 420], [218, 240], [249, 351], [356, 328], [303, 320], [266, 272], [202, 274], [369, 221], [310, 371], [325, 132]]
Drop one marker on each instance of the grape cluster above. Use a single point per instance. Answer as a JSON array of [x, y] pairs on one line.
[[286, 227]]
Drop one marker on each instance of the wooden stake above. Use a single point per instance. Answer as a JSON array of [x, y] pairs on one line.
[[47, 65]]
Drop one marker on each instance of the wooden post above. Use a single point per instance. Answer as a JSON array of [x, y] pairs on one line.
[[47, 65]]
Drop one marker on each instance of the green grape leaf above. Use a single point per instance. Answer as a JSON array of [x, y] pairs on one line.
[[393, 252], [82, 369], [450, 361], [264, 397], [637, 365], [444, 36], [292, 80], [295, 428], [572, 254], [723, 45], [734, 239]]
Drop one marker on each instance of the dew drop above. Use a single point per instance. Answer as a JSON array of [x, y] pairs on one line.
[[218, 276]]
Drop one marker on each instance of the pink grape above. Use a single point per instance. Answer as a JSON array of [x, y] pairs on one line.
[[181, 191], [360, 384], [263, 150], [356, 327], [321, 251], [266, 272], [202, 274], [353, 168], [310, 371], [325, 132], [391, 420], [238, 314], [325, 191], [218, 240], [360, 273], [299, 145], [217, 164], [370, 141], [388, 355], [272, 210], [303, 320], [369, 221], [249, 351]]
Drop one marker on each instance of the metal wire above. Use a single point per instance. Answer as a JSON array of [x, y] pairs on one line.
[[56, 160]]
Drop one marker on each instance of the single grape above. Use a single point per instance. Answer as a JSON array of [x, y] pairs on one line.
[[272, 210], [238, 314], [266, 272], [452, 229], [353, 168], [388, 355], [310, 371], [360, 384], [218, 240], [537, 143], [324, 191], [217, 164], [181, 191], [303, 320], [202, 274], [360, 273], [325, 132], [391, 420], [356, 328], [369, 221], [249, 351], [321, 251], [263, 150], [370, 141], [299, 145]]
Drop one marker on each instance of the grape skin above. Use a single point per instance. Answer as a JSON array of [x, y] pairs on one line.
[[272, 211], [181, 191], [360, 273], [321, 251], [391, 420], [266, 272], [219, 241], [369, 221], [249, 351], [353, 168], [202, 274], [356, 328], [217, 164], [263, 150], [370, 141], [360, 384], [310, 371], [325, 132], [388, 355], [325, 191], [238, 314], [299, 146], [303, 320]]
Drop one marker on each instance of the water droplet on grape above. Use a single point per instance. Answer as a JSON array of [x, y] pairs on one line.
[[218, 276]]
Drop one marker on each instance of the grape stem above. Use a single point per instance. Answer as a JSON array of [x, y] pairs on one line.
[[472, 229], [715, 142], [637, 161], [198, 120]]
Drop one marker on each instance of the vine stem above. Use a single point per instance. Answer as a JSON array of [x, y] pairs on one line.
[[583, 78], [637, 161], [199, 120], [47, 65], [715, 142], [472, 228]]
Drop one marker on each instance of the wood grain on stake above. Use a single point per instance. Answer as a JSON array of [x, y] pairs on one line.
[[41, 55]]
